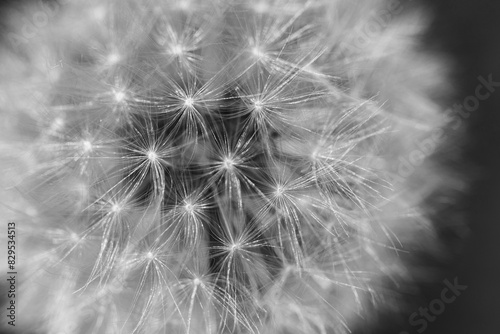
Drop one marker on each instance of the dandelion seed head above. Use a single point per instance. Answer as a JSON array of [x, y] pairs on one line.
[[196, 281], [261, 7], [189, 102]]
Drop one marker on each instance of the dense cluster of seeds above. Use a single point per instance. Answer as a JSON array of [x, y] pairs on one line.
[[213, 166]]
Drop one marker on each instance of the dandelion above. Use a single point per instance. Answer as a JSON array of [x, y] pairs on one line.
[[211, 166]]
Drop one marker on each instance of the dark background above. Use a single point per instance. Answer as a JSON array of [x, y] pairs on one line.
[[469, 32]]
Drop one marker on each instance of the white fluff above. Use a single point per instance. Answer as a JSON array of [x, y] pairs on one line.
[[215, 166]]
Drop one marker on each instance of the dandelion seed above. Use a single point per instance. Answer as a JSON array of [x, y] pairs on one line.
[[98, 13], [315, 154], [258, 105], [218, 180], [75, 238], [57, 125], [119, 96], [177, 50], [113, 59], [87, 146], [228, 163], [188, 102], [184, 5], [258, 52]]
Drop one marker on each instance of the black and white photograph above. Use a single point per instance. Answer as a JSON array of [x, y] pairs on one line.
[[250, 167]]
